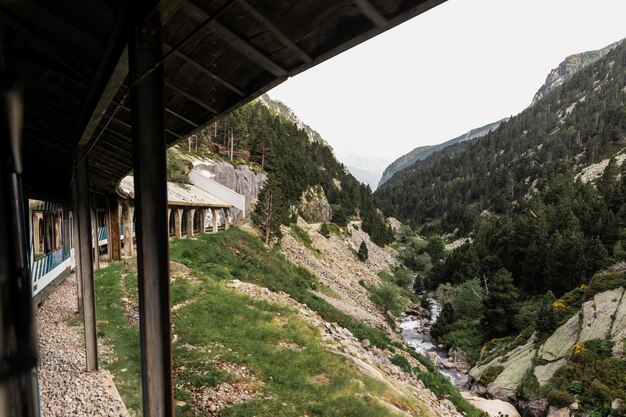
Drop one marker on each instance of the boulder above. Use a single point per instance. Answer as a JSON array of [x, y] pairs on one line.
[[314, 206], [520, 360], [561, 412], [535, 408], [618, 331], [560, 343], [545, 372], [497, 392], [597, 314]]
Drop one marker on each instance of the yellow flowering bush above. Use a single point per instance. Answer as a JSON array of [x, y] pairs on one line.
[[578, 348], [559, 305]]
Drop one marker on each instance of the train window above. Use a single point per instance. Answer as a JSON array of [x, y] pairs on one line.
[[49, 232], [38, 235], [58, 229]]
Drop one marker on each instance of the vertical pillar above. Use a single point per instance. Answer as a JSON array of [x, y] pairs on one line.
[[96, 235], [190, 213], [128, 230], [83, 212], [178, 222], [203, 213], [226, 219], [75, 241], [114, 245], [215, 226], [169, 213], [148, 134]]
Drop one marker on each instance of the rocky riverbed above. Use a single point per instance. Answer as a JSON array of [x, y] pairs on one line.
[[415, 330]]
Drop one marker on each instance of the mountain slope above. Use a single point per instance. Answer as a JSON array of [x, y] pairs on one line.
[[525, 155], [422, 152], [266, 135], [566, 70]]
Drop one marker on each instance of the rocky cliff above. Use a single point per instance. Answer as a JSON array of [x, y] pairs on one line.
[[602, 318], [241, 179], [314, 206], [570, 66]]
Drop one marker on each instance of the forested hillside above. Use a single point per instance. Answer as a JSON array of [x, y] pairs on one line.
[[271, 139], [581, 123], [422, 152]]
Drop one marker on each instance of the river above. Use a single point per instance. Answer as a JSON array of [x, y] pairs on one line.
[[416, 331]]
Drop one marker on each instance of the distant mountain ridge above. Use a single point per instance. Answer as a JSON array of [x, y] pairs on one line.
[[570, 66], [422, 152]]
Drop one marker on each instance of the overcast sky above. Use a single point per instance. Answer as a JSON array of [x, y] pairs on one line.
[[460, 65]]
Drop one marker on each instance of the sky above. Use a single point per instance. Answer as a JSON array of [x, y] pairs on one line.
[[461, 65]]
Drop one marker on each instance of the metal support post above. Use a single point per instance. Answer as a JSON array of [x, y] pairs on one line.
[[85, 240], [148, 132]]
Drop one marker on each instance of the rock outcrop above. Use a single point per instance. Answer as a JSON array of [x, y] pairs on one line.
[[241, 179], [314, 206], [603, 317], [334, 263], [566, 70]]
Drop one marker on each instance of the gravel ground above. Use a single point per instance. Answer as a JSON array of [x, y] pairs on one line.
[[65, 387]]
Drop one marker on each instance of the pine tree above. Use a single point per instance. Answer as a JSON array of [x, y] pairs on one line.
[[363, 253], [271, 210], [500, 305]]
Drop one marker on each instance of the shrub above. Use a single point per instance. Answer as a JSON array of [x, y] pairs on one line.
[[490, 374], [529, 384], [604, 281], [388, 298], [325, 230], [575, 387], [560, 398], [599, 391], [363, 253], [402, 362]]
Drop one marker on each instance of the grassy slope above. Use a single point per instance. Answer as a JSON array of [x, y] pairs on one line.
[[244, 331]]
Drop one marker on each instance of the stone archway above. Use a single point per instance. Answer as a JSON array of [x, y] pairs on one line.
[[172, 222], [198, 221], [184, 227]]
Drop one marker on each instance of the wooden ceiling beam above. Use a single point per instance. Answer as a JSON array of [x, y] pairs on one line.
[[64, 58], [181, 117], [70, 76], [277, 32], [206, 71], [236, 41], [371, 12], [51, 15], [188, 96]]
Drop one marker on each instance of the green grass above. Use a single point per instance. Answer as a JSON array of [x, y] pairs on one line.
[[235, 254], [113, 326], [224, 326], [301, 236]]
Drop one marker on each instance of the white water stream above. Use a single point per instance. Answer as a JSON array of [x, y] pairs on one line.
[[417, 334]]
